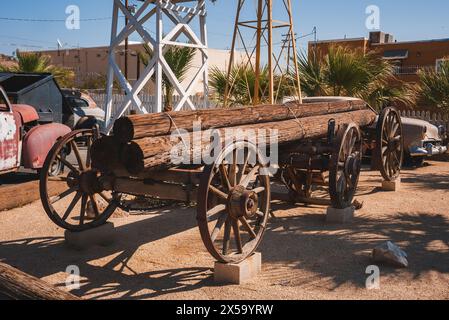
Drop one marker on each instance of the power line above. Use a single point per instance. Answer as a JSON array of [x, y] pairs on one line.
[[52, 20]]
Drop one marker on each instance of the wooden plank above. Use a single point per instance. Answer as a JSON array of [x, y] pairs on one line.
[[164, 191]]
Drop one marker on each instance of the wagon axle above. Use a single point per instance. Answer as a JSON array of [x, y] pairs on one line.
[[89, 182], [243, 203]]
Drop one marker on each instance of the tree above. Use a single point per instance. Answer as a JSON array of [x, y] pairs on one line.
[[345, 72], [312, 75], [34, 62], [434, 86], [242, 81], [179, 60]]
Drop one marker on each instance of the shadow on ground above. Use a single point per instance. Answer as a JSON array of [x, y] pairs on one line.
[[337, 254], [428, 181], [340, 254], [43, 257]]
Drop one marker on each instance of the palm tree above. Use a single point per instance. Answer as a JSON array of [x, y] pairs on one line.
[[242, 81], [345, 72], [434, 86], [312, 75], [34, 62], [179, 60]]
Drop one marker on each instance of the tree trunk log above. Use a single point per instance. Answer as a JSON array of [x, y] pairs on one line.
[[155, 153], [18, 285], [151, 125], [105, 153]]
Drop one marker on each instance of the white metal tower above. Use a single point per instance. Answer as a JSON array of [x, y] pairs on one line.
[[173, 27]]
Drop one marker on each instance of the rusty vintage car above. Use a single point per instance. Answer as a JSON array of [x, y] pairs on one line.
[[23, 141]]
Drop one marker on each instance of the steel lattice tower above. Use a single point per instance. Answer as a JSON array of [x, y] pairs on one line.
[[263, 26], [182, 14]]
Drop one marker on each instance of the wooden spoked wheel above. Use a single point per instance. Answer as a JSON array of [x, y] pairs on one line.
[[83, 205], [390, 144], [303, 181], [234, 202], [345, 167]]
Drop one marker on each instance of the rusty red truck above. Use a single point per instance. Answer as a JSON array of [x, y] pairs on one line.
[[24, 142]]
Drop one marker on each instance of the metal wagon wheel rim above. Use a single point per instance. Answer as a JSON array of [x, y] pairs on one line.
[[390, 144], [234, 202], [78, 179], [345, 167]]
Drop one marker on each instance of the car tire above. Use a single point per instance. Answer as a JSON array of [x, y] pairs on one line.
[[416, 162]]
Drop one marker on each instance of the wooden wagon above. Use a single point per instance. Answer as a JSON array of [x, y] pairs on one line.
[[320, 143]]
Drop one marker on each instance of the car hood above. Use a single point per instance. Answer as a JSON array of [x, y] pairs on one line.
[[416, 126], [97, 113]]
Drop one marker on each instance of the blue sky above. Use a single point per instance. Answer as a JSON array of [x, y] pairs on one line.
[[407, 20]]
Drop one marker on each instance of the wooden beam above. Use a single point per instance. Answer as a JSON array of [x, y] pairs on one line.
[[17, 285]]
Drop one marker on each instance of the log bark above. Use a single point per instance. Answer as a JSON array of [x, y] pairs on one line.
[[155, 153], [141, 126], [17, 285], [105, 153]]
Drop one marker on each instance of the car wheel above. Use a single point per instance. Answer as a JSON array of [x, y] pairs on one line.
[[413, 161]]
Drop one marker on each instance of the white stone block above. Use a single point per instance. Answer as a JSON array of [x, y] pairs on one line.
[[392, 186], [238, 273], [101, 236], [340, 215]]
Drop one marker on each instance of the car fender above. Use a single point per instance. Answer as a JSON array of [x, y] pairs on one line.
[[27, 113], [38, 142]]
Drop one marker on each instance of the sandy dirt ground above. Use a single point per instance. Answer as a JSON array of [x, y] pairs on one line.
[[159, 255]]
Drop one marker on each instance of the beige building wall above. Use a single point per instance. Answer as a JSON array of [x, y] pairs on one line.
[[94, 61]]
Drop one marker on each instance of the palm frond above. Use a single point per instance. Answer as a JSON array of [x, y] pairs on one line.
[[434, 88]]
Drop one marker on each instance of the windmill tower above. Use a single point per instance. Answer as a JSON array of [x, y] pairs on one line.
[[160, 24], [263, 26]]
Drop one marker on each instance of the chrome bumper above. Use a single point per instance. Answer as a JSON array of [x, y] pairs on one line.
[[429, 149]]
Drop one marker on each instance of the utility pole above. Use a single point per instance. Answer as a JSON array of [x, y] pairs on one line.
[[126, 43]]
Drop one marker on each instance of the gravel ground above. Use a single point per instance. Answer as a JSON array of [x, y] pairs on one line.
[[160, 255]]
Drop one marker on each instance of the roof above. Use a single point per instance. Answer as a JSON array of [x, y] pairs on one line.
[[379, 44], [413, 41], [338, 40]]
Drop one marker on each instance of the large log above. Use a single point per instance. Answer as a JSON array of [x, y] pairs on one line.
[[155, 153], [150, 125], [17, 285], [105, 153]]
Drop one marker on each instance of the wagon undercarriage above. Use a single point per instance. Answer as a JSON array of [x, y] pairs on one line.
[[233, 194]]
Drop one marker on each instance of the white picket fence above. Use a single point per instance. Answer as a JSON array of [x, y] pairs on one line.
[[148, 101], [434, 118]]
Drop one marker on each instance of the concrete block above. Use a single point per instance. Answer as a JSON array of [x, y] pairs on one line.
[[238, 273], [101, 236], [340, 215], [391, 186]]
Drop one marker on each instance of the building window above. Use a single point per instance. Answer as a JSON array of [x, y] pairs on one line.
[[395, 54]]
